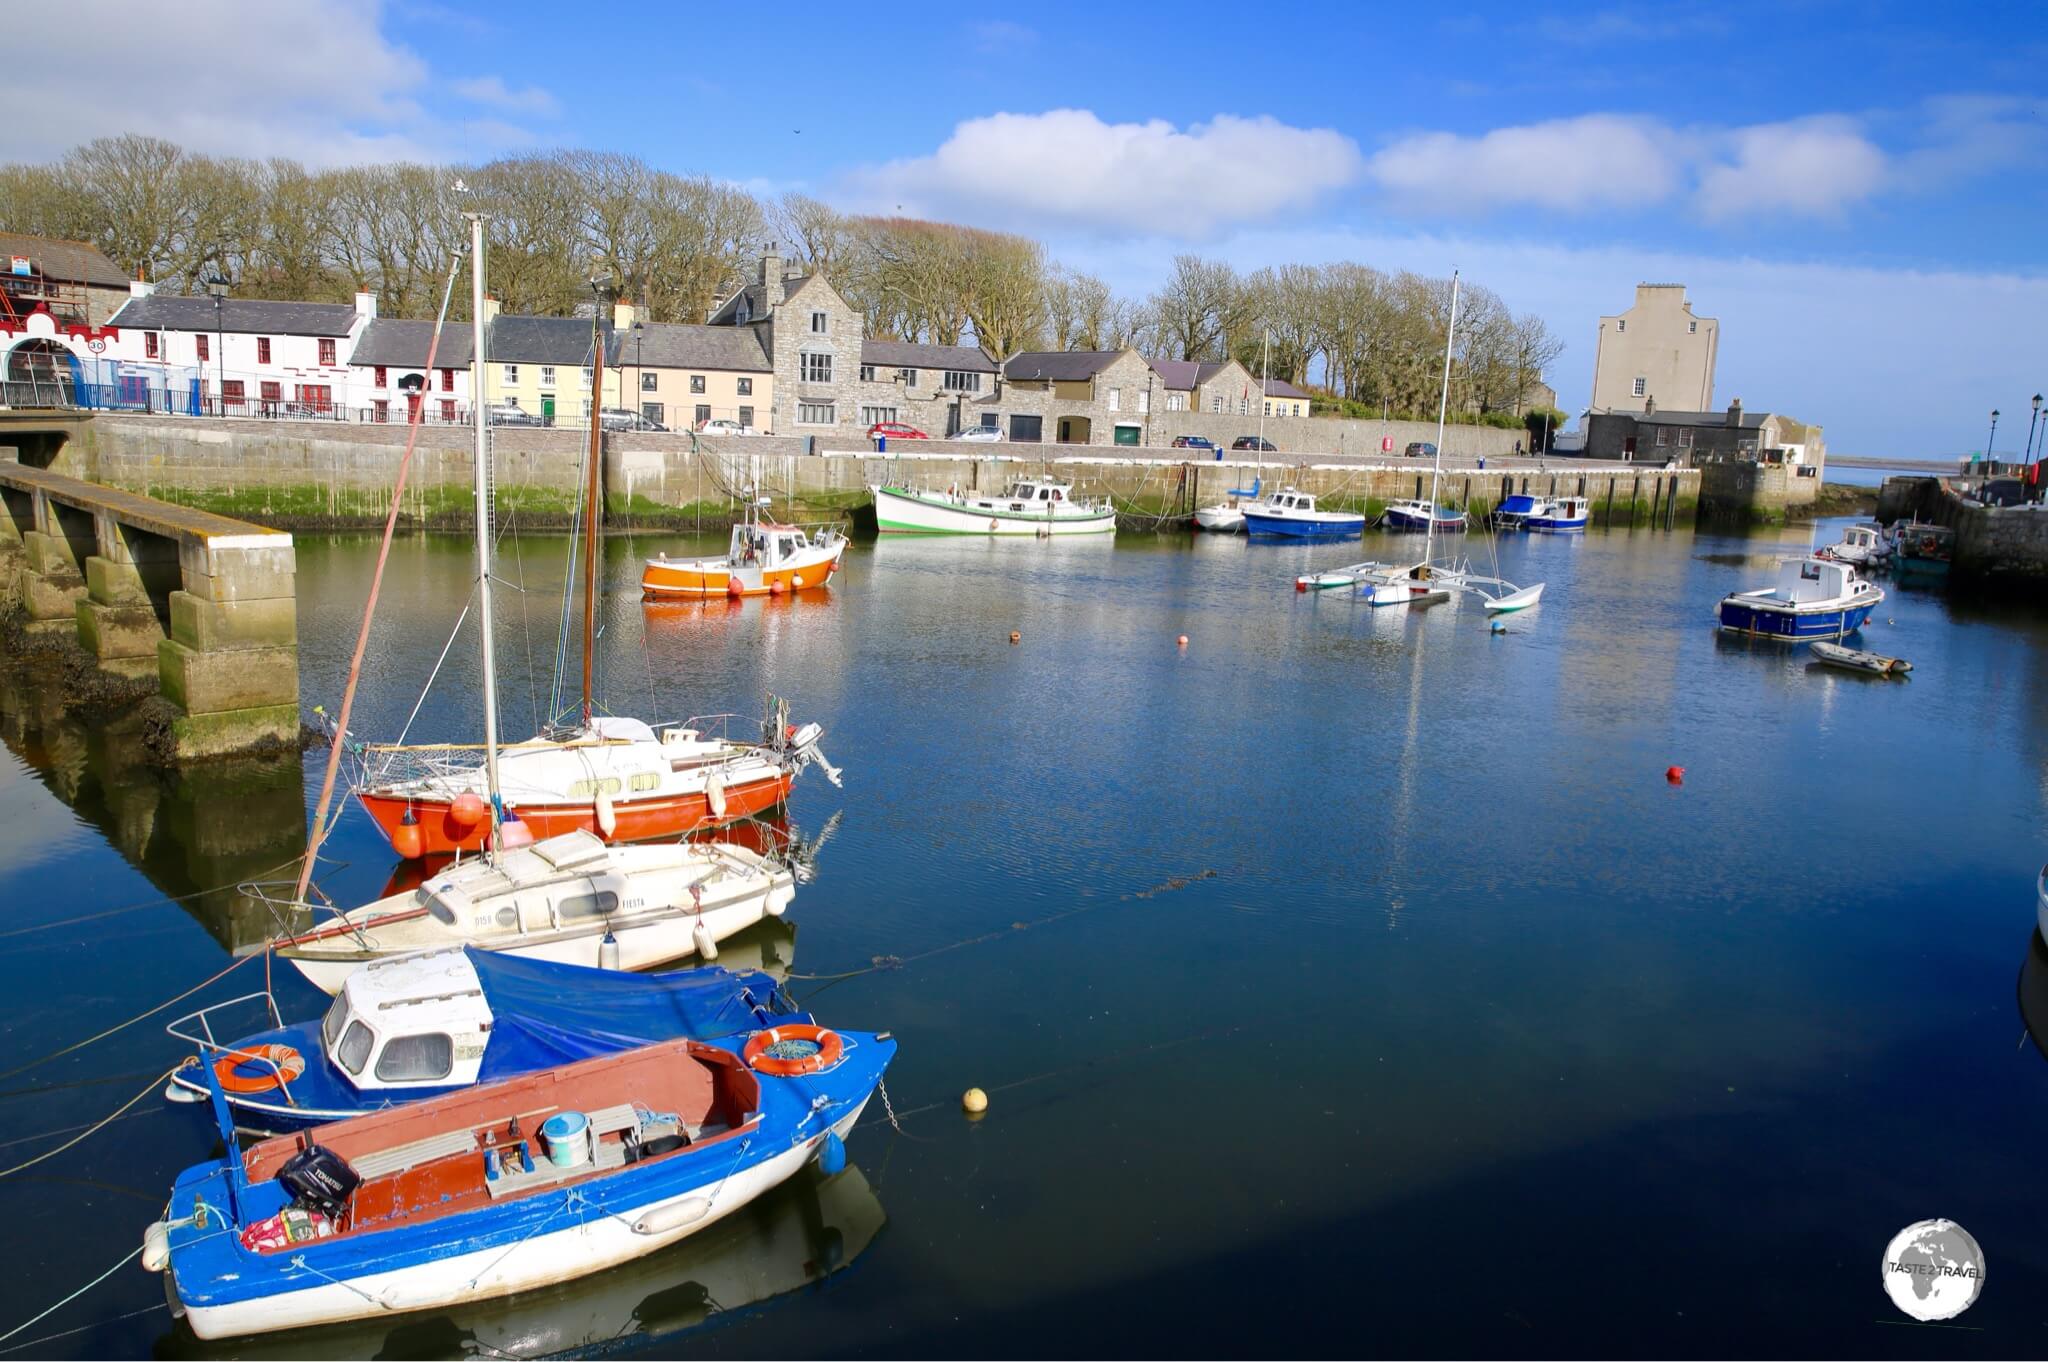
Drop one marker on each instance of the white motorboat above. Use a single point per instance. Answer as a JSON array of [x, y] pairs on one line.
[[1227, 517], [1863, 545], [1029, 506], [559, 899]]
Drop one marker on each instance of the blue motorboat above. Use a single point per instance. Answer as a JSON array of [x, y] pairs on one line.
[[1293, 515], [504, 1187], [1514, 511], [1561, 515], [1814, 598], [424, 1025], [1424, 516]]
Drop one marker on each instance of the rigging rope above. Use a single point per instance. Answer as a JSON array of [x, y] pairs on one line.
[[85, 1134]]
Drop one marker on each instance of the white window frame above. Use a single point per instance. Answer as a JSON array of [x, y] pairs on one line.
[[698, 386], [816, 414], [547, 375], [1116, 399], [1692, 328], [961, 381], [867, 373], [820, 326], [1216, 402], [1145, 400], [511, 375], [909, 377], [1621, 324], [1641, 388]]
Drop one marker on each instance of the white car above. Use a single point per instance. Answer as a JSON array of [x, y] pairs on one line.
[[720, 425], [981, 435]]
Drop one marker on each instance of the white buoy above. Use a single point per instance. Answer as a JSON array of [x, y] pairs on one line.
[[608, 952], [700, 937], [673, 1216], [714, 794], [607, 817]]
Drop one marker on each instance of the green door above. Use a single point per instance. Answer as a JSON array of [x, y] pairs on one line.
[[547, 409], [1127, 435]]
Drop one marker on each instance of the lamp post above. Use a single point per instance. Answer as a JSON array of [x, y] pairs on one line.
[[639, 374], [1990, 442], [218, 287], [2030, 427]]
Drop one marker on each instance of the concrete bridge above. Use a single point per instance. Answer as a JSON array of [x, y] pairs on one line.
[[206, 604]]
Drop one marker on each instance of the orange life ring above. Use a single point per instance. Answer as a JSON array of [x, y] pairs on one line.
[[281, 1064], [824, 1047]]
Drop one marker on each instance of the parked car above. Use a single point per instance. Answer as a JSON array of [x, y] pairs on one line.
[[1263, 446], [980, 434], [1193, 442], [619, 418], [724, 425], [895, 430], [1422, 449], [510, 416]]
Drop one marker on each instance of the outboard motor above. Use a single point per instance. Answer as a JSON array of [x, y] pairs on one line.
[[319, 1180]]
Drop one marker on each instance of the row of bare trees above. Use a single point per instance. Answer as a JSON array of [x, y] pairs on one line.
[[679, 243]]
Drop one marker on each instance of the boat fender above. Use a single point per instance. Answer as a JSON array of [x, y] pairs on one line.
[[796, 579], [275, 1065], [608, 952], [607, 817], [156, 1247], [714, 794], [673, 1216], [974, 1101], [993, 523], [468, 810], [700, 937], [831, 1155], [513, 833], [732, 588]]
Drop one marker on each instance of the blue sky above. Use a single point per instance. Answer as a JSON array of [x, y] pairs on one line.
[[1856, 191]]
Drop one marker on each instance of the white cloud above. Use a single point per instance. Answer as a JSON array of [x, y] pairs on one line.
[[311, 79], [493, 91], [1568, 164], [1001, 35], [1815, 167], [1068, 168]]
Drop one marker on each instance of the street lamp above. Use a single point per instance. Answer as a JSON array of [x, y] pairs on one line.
[[639, 374], [2030, 427], [218, 287], [1990, 442]]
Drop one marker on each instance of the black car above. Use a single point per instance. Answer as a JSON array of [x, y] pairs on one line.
[[1193, 442], [1422, 449], [1263, 446]]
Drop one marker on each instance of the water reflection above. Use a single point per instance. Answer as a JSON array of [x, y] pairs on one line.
[[195, 834], [2033, 990], [790, 1239]]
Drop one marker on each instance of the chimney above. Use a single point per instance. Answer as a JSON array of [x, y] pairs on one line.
[[624, 314], [366, 303], [771, 264], [140, 288], [1650, 405], [491, 309], [1735, 412]]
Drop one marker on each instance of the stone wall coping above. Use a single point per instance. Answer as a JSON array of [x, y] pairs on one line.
[[146, 513]]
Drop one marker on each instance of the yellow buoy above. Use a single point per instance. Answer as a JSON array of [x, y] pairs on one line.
[[974, 1101]]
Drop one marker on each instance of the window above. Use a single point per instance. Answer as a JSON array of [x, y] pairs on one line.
[[578, 906], [1663, 435], [416, 1059], [447, 380], [511, 375], [815, 414], [991, 421], [1685, 439], [703, 412], [655, 412], [1692, 328], [1176, 401], [697, 383], [746, 387], [643, 781], [547, 375], [746, 416], [1145, 399], [1642, 386], [909, 377], [263, 349], [814, 368], [231, 392], [380, 378], [586, 375], [962, 381], [1116, 399], [870, 416], [380, 411], [271, 392], [1244, 404], [817, 323], [1267, 410], [327, 350], [354, 1047], [1027, 429], [330, 1025], [1216, 402], [448, 410], [150, 346], [650, 383], [586, 407], [1621, 325], [314, 396], [867, 373], [202, 340]]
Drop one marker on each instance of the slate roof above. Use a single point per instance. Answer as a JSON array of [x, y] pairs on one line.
[[1280, 387], [1184, 374], [538, 340], [1060, 366], [259, 316], [754, 293], [676, 345], [891, 354], [71, 262], [399, 343], [1750, 419]]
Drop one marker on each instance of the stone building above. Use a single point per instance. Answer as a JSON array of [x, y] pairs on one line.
[[1657, 351], [1079, 397], [1701, 437]]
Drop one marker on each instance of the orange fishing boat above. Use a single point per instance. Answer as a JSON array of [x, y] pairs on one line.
[[764, 559]]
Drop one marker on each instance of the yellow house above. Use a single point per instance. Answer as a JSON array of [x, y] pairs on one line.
[[681, 376], [541, 365], [1284, 399]]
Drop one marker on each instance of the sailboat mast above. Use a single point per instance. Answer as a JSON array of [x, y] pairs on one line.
[[590, 505], [480, 420], [1265, 401], [1443, 403]]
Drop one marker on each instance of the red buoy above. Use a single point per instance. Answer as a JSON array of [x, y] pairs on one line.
[[1675, 774], [407, 840], [1183, 640], [468, 810], [1301, 584], [732, 587]]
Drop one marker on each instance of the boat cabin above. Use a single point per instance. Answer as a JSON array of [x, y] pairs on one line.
[[1865, 537], [1291, 500], [1039, 495], [418, 1021], [765, 545], [1804, 580]]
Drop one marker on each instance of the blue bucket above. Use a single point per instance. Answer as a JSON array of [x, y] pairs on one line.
[[567, 1136]]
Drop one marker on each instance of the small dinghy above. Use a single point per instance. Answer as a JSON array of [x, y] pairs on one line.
[[506, 1187], [1857, 660]]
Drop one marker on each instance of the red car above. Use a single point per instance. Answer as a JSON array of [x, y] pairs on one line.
[[896, 430]]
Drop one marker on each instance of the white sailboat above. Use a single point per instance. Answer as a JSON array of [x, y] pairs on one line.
[[1227, 516], [566, 898]]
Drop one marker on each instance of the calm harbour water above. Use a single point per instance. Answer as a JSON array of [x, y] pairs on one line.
[[1348, 982]]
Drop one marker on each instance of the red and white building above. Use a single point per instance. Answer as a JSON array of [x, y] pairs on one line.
[[241, 356]]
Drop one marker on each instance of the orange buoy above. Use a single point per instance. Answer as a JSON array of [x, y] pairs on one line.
[[468, 810], [1015, 637], [775, 588], [1183, 640], [406, 838], [1675, 774], [732, 587]]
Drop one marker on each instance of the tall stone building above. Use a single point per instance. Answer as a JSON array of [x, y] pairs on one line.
[[1657, 351]]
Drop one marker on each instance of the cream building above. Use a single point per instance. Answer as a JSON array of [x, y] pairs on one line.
[[1657, 351]]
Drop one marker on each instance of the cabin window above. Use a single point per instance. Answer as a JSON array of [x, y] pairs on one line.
[[508, 916], [416, 1059], [430, 901], [578, 906], [354, 1047], [785, 546], [585, 789], [331, 1024], [644, 780]]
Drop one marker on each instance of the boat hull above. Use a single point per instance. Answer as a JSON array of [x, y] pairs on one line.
[[667, 815], [1556, 524], [589, 1244], [1754, 619], [714, 578], [1321, 525], [1398, 519], [1220, 519], [898, 512]]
